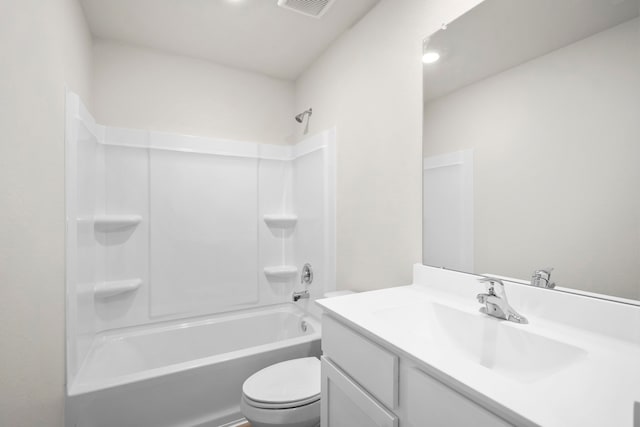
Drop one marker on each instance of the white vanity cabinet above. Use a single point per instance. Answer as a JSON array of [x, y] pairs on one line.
[[365, 384], [428, 402], [345, 403]]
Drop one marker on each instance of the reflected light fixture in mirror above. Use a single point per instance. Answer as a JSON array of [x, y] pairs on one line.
[[430, 57]]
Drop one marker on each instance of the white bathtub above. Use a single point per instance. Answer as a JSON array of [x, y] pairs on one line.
[[185, 373]]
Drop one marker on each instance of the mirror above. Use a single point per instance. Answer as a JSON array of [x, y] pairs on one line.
[[532, 143]]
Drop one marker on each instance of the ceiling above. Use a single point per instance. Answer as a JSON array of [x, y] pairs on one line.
[[254, 35], [500, 34]]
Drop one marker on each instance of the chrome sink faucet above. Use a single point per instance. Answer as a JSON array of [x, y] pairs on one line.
[[495, 301], [542, 278]]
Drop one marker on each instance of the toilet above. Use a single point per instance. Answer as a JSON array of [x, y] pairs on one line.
[[286, 394]]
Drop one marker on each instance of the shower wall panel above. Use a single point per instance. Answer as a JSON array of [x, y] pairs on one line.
[[204, 236], [313, 195], [163, 226], [276, 243], [85, 198], [127, 249]]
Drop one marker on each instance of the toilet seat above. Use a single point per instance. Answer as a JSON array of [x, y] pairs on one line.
[[288, 405], [288, 384], [301, 416]]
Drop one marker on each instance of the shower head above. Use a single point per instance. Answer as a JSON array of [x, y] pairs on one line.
[[300, 117]]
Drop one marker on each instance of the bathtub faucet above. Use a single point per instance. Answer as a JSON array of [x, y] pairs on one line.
[[301, 294]]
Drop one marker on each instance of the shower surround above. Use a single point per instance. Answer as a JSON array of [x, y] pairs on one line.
[[167, 233]]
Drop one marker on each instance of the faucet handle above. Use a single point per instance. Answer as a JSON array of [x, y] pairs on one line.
[[307, 274], [490, 280], [491, 283]]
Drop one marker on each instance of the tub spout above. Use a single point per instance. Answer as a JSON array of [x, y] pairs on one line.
[[301, 294]]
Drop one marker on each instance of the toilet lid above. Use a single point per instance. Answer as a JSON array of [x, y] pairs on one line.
[[287, 383]]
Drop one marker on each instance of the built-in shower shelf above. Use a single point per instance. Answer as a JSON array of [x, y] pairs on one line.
[[106, 223], [280, 220], [281, 272], [110, 289]]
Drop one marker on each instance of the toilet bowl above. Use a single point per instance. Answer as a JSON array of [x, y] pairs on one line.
[[286, 394]]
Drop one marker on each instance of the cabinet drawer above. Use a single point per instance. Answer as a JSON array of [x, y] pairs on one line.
[[371, 366], [344, 404], [428, 402]]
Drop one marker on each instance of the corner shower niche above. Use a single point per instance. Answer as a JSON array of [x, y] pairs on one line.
[[113, 232], [282, 226], [163, 226]]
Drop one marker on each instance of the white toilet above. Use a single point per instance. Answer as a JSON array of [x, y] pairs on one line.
[[286, 394]]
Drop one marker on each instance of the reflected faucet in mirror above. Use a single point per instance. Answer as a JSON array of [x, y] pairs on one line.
[[542, 279]]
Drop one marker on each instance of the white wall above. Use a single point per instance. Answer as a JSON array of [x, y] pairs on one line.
[[369, 85], [145, 89], [44, 45], [556, 173]]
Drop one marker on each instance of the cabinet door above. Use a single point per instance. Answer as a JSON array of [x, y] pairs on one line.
[[429, 403], [345, 404], [346, 349]]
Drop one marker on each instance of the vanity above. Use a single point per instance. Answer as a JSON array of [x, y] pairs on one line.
[[425, 355]]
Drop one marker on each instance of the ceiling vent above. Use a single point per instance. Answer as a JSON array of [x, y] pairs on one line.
[[314, 8]]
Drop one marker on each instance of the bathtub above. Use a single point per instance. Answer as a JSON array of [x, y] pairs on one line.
[[186, 372]]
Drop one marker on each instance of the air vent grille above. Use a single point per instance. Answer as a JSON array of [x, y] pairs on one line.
[[315, 8]]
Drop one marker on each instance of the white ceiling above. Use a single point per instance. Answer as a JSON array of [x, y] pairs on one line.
[[254, 35], [500, 34]]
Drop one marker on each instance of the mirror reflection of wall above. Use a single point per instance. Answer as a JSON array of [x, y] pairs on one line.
[[546, 94]]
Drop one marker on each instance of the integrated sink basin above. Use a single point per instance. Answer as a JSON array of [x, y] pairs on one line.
[[503, 347]]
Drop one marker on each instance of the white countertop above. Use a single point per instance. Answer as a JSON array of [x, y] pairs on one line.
[[598, 388]]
